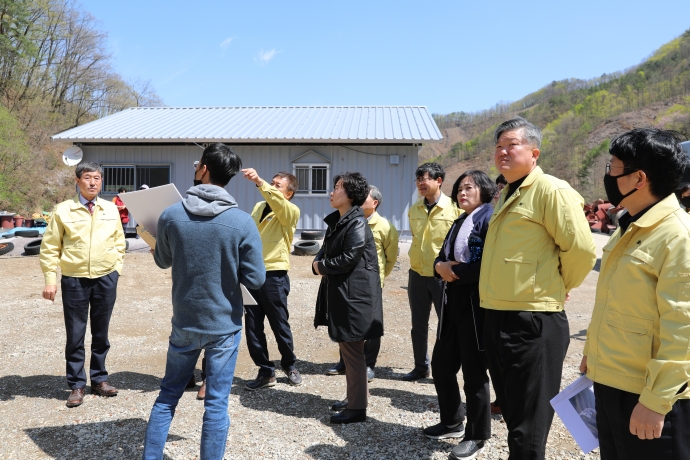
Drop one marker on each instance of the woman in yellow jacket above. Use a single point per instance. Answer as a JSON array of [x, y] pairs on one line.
[[638, 342]]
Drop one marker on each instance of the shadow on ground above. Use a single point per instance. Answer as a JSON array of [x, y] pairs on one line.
[[55, 387], [113, 440], [363, 439]]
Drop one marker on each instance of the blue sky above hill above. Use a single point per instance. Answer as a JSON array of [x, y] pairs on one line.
[[447, 55]]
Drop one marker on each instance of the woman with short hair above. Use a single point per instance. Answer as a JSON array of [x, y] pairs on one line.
[[459, 341], [349, 298]]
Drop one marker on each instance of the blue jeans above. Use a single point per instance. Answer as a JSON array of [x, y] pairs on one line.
[[183, 352]]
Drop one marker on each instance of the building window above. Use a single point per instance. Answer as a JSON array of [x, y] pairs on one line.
[[132, 177], [312, 178]]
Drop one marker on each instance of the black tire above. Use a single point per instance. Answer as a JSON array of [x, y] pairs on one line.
[[311, 235], [32, 248], [126, 245], [307, 248], [26, 233], [5, 248]]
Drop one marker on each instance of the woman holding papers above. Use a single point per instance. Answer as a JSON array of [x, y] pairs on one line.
[[349, 299], [459, 340]]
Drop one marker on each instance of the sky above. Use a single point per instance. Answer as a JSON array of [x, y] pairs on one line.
[[450, 56]]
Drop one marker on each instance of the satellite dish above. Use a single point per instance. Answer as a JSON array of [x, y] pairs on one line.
[[72, 156]]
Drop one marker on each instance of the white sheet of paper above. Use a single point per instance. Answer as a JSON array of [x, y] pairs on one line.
[[575, 406], [147, 205]]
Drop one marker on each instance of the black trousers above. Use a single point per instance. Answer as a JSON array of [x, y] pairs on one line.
[[525, 351], [77, 295], [614, 408], [272, 304], [422, 291], [457, 348]]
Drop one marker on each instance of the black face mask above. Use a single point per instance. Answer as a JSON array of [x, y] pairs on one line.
[[196, 181], [685, 201], [613, 192]]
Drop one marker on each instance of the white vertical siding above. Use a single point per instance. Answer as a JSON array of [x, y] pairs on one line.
[[394, 181]]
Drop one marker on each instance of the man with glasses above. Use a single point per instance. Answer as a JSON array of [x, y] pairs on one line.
[[276, 218], [85, 238], [430, 219], [538, 248], [638, 342]]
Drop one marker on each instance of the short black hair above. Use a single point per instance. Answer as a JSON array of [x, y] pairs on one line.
[[222, 163], [434, 170], [487, 189], [656, 152], [501, 180], [355, 185], [122, 190], [87, 167]]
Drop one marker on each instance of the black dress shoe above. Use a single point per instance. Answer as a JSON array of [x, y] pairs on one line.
[[340, 405], [416, 374], [338, 369], [350, 416], [191, 384]]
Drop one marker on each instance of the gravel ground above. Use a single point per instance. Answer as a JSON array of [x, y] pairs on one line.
[[278, 422]]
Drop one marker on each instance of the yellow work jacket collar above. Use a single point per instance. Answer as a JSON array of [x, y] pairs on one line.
[[443, 202], [658, 212], [75, 204], [374, 219], [529, 180]]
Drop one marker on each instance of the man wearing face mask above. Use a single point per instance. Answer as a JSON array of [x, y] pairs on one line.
[[276, 218], [638, 342]]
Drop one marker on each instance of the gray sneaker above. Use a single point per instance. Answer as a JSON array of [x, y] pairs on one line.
[[466, 450], [294, 378], [441, 431], [370, 374]]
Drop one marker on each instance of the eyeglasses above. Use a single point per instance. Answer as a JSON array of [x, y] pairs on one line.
[[421, 180], [196, 164], [626, 169]]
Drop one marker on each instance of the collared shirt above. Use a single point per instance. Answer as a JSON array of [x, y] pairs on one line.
[[430, 206], [83, 200], [626, 219]]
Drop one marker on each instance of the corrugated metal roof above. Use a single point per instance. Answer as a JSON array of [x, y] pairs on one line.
[[379, 125]]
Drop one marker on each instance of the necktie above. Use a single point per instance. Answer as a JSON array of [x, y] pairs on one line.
[[89, 204]]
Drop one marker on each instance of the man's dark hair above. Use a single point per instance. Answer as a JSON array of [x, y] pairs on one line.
[[355, 185], [122, 190], [529, 132], [88, 167], [222, 163], [656, 152], [487, 189], [434, 170], [292, 184], [501, 180]]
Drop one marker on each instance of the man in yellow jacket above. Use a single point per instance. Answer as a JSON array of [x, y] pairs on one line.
[[386, 238], [638, 342], [85, 239], [538, 248], [430, 219], [277, 219]]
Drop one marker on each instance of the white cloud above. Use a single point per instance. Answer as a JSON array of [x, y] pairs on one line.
[[225, 43], [264, 57]]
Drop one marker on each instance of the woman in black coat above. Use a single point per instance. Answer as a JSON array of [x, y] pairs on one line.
[[349, 299], [459, 338]]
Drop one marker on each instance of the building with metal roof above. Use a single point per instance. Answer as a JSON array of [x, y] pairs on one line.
[[158, 145]]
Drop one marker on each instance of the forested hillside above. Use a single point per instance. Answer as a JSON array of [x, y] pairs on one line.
[[55, 73], [578, 118]]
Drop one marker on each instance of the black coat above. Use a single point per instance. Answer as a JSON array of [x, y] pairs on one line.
[[464, 292], [349, 299]]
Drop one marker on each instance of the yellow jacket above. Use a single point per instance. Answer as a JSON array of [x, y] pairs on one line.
[[277, 229], [386, 238], [428, 232], [84, 245], [538, 247], [639, 337]]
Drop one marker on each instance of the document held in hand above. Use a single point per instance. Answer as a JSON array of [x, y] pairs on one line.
[[147, 206], [575, 406]]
